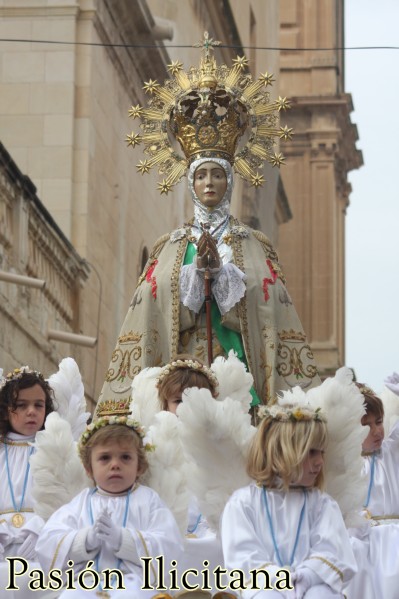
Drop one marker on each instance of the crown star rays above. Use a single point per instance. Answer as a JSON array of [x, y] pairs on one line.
[[188, 107]]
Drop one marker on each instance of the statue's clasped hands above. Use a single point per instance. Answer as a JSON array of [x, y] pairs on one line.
[[207, 252]]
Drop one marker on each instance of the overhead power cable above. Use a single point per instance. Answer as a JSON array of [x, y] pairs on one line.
[[147, 46]]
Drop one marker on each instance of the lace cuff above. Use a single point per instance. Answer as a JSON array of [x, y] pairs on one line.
[[228, 287], [192, 292]]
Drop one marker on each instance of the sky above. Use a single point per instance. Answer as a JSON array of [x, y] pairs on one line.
[[372, 224]]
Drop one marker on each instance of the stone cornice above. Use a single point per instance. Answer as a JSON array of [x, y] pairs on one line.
[[71, 10], [336, 139], [327, 101]]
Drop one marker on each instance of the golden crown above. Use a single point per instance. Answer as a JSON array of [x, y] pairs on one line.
[[111, 411], [208, 109], [113, 407]]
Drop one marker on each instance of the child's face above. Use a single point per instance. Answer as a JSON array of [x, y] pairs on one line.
[[114, 466], [30, 412], [312, 466], [174, 400], [374, 439]]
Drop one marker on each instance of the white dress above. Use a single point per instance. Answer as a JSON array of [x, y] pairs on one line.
[[169, 470], [384, 494], [380, 546], [150, 531], [201, 543], [11, 536], [323, 542]]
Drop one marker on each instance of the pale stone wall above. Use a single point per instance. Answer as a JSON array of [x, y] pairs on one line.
[[113, 212], [37, 98]]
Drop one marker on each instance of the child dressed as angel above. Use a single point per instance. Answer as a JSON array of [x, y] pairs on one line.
[[27, 402], [26, 399], [117, 521], [283, 520], [377, 541]]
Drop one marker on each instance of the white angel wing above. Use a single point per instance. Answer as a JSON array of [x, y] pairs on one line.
[[145, 404], [57, 472], [171, 465], [343, 406], [215, 435], [296, 395], [234, 379], [167, 466], [391, 408], [69, 395]]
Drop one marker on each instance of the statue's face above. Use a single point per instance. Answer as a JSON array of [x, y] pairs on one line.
[[210, 184]]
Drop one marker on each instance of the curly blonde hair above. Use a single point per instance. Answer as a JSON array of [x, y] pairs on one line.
[[279, 448]]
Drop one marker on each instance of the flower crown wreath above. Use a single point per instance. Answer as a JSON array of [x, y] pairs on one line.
[[17, 374], [112, 412], [192, 365], [291, 413], [365, 390]]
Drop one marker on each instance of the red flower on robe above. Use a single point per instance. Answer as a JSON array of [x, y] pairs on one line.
[[151, 279], [267, 281]]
